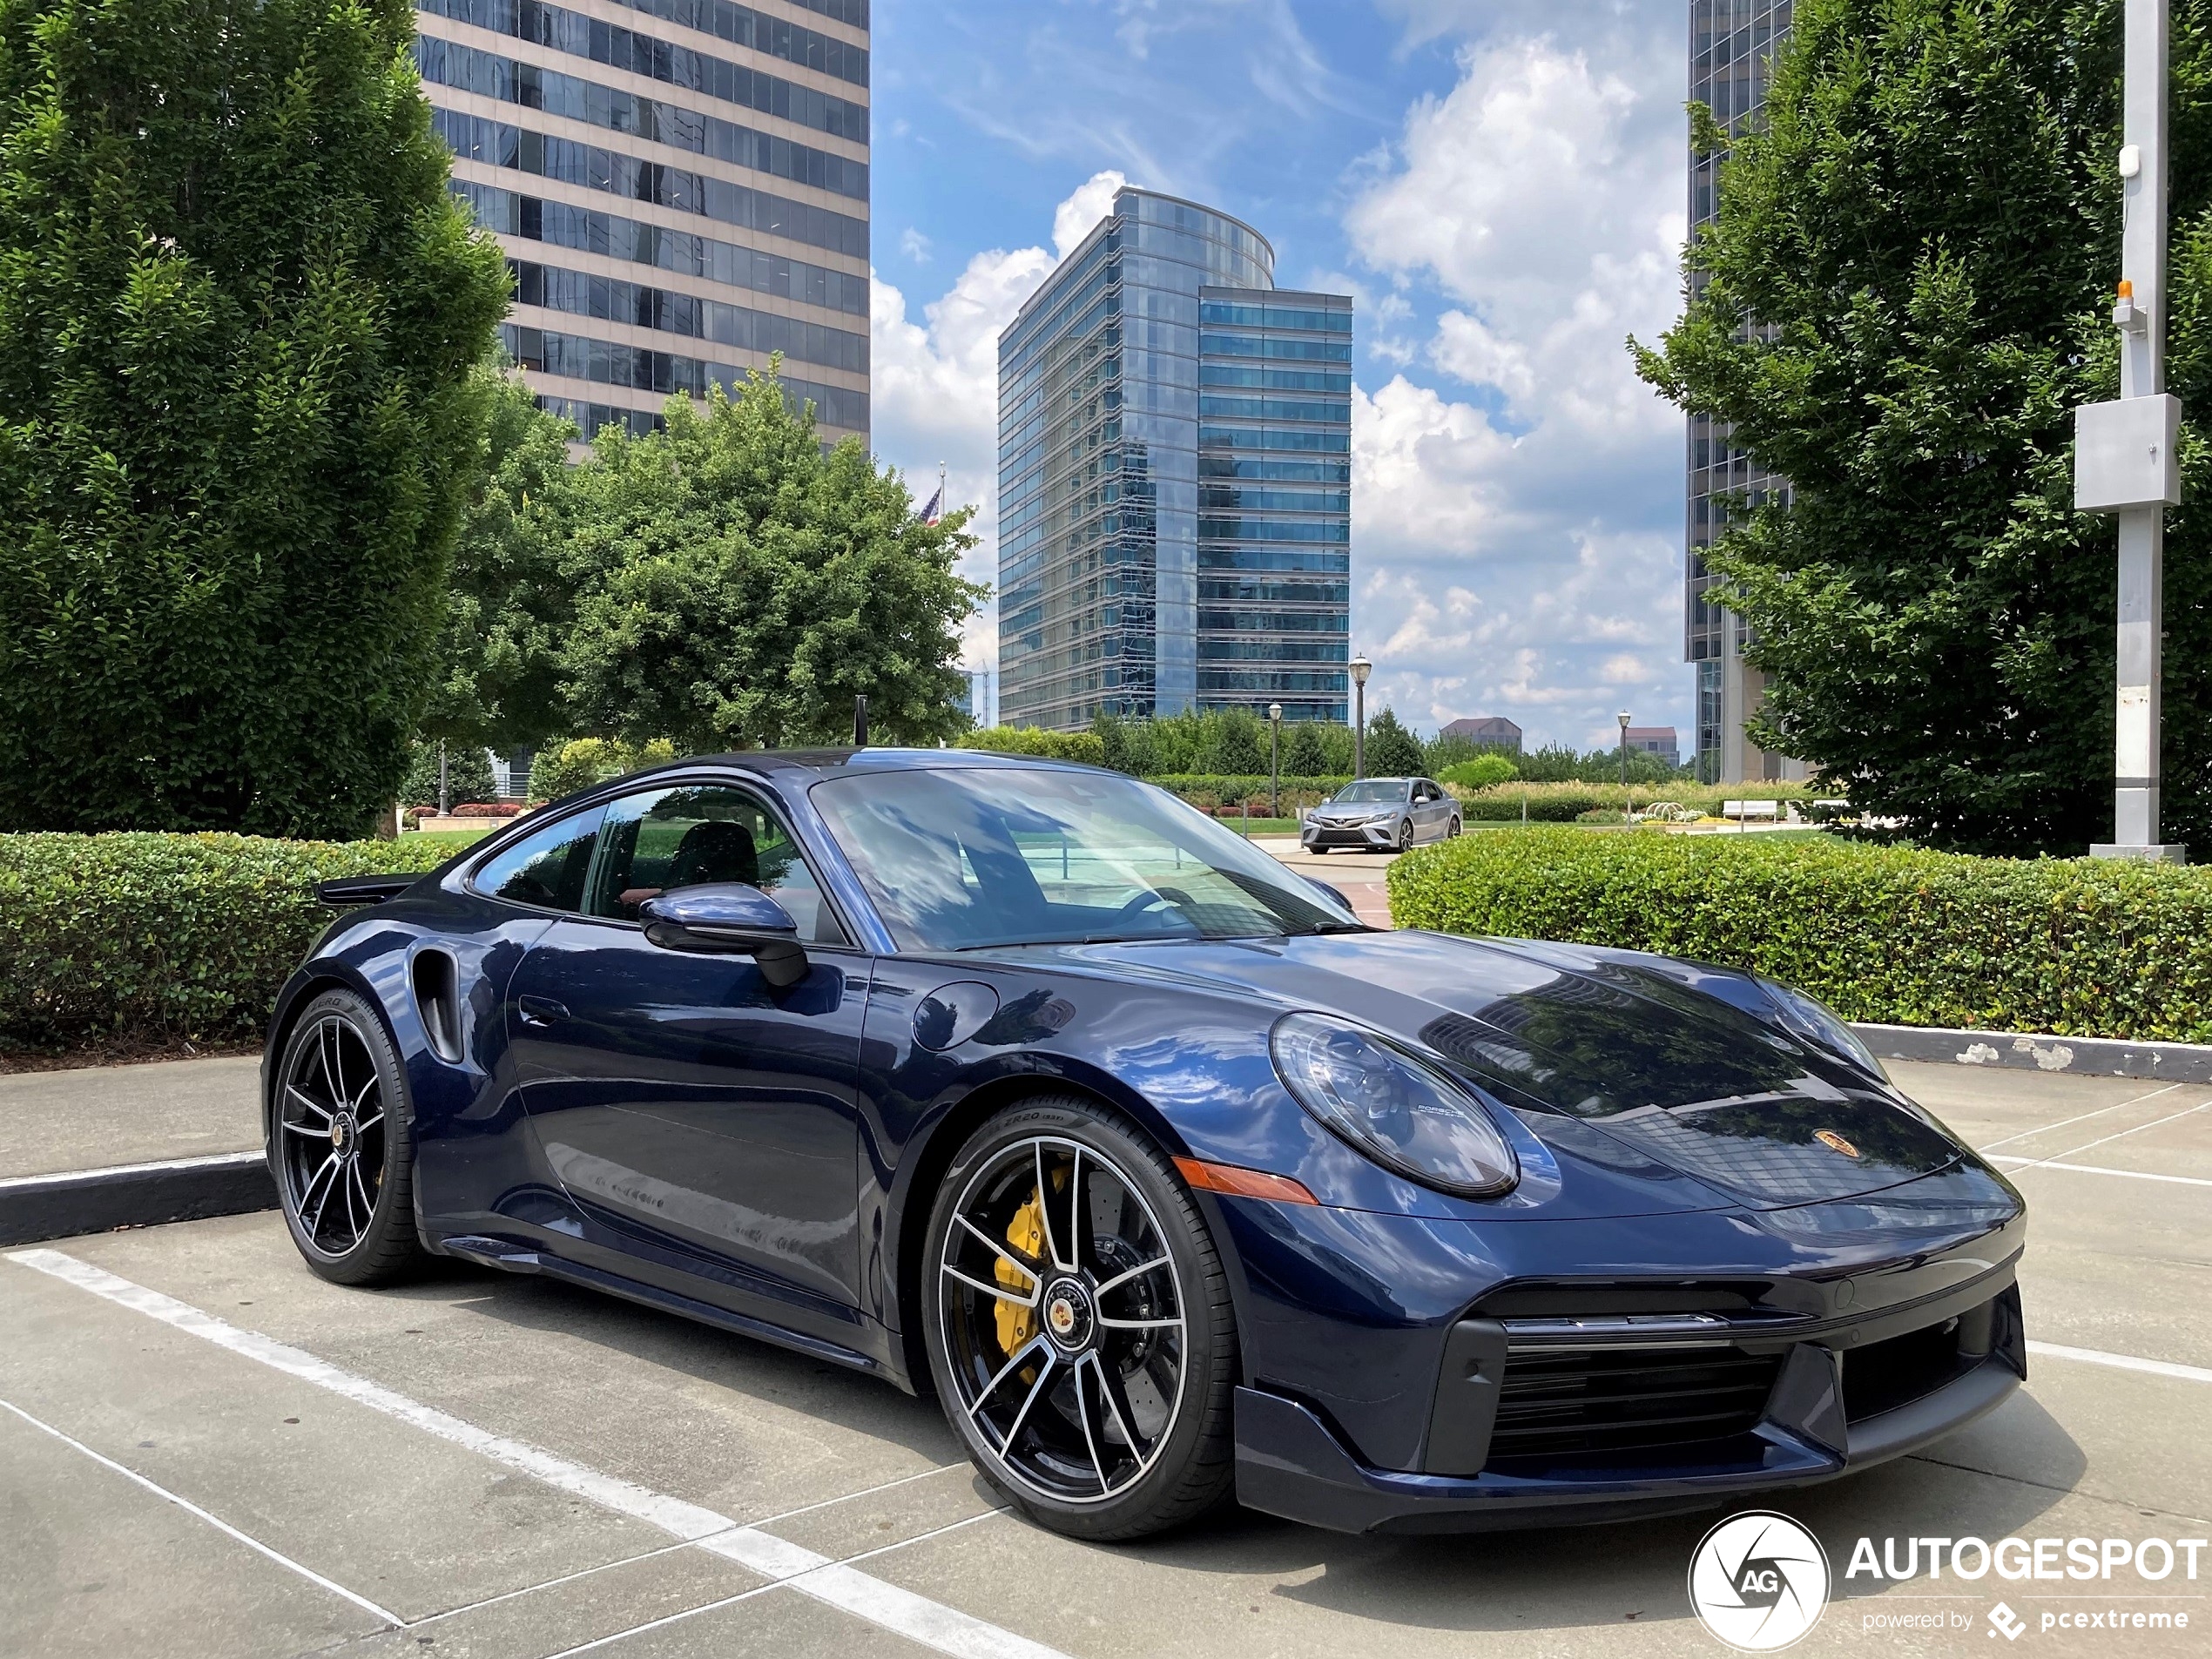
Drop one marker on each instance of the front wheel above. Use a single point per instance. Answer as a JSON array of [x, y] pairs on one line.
[[340, 1145], [1079, 1325], [1405, 837], [1453, 833]]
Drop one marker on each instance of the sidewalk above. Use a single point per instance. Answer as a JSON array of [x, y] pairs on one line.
[[110, 1146], [1358, 876]]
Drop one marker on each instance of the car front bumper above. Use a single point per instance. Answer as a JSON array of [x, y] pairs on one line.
[[1409, 1374], [1380, 834]]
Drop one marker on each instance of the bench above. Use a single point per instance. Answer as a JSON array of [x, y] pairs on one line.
[[1745, 811]]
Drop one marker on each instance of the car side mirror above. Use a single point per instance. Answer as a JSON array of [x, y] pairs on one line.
[[728, 918]]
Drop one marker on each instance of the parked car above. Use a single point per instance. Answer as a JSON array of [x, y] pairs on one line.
[[1026, 1084], [1381, 815]]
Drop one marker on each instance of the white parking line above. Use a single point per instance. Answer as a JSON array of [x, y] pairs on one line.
[[791, 1565], [215, 1522], [2122, 1135], [2026, 1164], [2079, 1117], [2123, 1362]]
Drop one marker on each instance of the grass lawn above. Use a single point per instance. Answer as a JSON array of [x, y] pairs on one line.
[[453, 840]]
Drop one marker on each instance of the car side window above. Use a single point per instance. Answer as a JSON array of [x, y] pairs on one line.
[[659, 841], [546, 868]]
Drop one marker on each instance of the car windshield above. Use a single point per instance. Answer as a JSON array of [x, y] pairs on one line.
[[966, 858], [1373, 789]]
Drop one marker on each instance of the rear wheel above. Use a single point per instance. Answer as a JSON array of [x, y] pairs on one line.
[[1079, 1324], [340, 1144]]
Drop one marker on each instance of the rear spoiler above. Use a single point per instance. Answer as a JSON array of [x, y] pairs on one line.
[[350, 891]]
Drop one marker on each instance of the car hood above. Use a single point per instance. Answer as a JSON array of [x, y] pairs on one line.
[[1594, 1053]]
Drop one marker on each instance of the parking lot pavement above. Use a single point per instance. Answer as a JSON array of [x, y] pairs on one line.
[[204, 1450], [1358, 876], [98, 1116]]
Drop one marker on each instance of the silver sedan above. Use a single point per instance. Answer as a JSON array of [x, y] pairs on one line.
[[1381, 815]]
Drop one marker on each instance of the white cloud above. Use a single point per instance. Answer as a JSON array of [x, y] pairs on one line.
[[1540, 201], [914, 246], [936, 382]]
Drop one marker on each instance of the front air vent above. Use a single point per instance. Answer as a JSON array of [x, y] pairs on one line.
[[437, 1000], [1560, 1403]]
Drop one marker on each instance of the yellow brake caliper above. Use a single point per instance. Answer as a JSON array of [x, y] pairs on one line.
[[1017, 1324]]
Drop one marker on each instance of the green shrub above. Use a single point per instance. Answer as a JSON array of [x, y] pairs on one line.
[[164, 936], [1481, 772], [1243, 785], [1085, 746], [468, 774], [1563, 803], [565, 768], [2086, 948]]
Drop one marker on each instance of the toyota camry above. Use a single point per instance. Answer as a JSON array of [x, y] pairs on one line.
[[1026, 1085]]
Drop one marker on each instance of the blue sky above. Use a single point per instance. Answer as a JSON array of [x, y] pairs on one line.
[[1501, 185]]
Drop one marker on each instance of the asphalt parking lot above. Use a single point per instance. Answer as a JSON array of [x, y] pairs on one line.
[[204, 1450]]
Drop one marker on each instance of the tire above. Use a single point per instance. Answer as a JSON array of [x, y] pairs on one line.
[[1452, 833], [1405, 837], [1029, 1428], [342, 1128], [1319, 852]]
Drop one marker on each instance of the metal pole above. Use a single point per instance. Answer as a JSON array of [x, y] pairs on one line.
[[860, 720], [1360, 730], [445, 805], [1275, 760], [2143, 374]]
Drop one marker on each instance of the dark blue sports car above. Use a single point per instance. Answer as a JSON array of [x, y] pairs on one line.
[[1027, 1084]]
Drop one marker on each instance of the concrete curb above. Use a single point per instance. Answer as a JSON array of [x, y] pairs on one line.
[[34, 1207], [2167, 1062]]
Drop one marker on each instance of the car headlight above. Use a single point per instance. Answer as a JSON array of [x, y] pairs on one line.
[[1403, 1114], [1814, 1021]]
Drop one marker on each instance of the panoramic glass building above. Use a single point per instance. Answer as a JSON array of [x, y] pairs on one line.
[[1175, 513], [681, 187], [1731, 42]]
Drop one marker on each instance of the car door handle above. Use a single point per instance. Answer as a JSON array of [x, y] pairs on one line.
[[540, 1010]]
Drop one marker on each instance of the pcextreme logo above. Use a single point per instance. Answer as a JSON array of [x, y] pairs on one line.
[[1758, 1581]]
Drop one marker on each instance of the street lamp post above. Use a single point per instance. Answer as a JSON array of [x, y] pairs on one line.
[[1360, 668], [1275, 760], [2123, 452], [1624, 717]]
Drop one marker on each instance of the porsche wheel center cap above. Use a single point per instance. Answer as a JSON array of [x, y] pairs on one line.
[[1067, 1313], [341, 1134]]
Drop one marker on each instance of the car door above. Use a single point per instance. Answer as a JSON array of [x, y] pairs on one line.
[[1434, 809], [681, 1099]]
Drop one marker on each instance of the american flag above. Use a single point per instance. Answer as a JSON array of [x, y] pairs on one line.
[[934, 509]]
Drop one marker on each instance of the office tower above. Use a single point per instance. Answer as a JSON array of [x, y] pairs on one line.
[[1731, 44], [1175, 508], [681, 187]]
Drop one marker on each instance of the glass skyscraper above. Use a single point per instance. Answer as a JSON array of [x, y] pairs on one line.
[[1175, 479], [1731, 44], [681, 187]]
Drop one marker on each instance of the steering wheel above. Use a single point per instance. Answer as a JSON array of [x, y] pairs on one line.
[[1144, 901]]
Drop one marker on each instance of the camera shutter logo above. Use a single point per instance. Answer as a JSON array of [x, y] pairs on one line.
[[1758, 1581]]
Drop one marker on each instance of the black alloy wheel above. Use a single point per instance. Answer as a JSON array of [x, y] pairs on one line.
[[1079, 1325], [1451, 834], [1405, 836], [340, 1146]]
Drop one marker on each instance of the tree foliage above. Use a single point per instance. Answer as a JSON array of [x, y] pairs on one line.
[[238, 316], [1392, 751], [1220, 742], [735, 586], [511, 597], [1905, 294]]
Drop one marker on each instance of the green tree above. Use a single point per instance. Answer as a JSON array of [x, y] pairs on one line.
[[509, 600], [1239, 748], [1392, 751], [238, 317], [736, 586], [1305, 755], [1925, 234], [468, 774]]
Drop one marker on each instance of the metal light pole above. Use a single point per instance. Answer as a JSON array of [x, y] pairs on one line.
[[1275, 760], [445, 805], [1360, 668], [1624, 717], [2124, 461]]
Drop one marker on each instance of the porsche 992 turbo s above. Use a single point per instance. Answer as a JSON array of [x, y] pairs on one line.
[[1029, 1086]]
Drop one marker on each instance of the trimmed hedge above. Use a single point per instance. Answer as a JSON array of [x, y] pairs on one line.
[[2074, 947], [1565, 803], [1228, 786], [164, 937], [1087, 747]]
